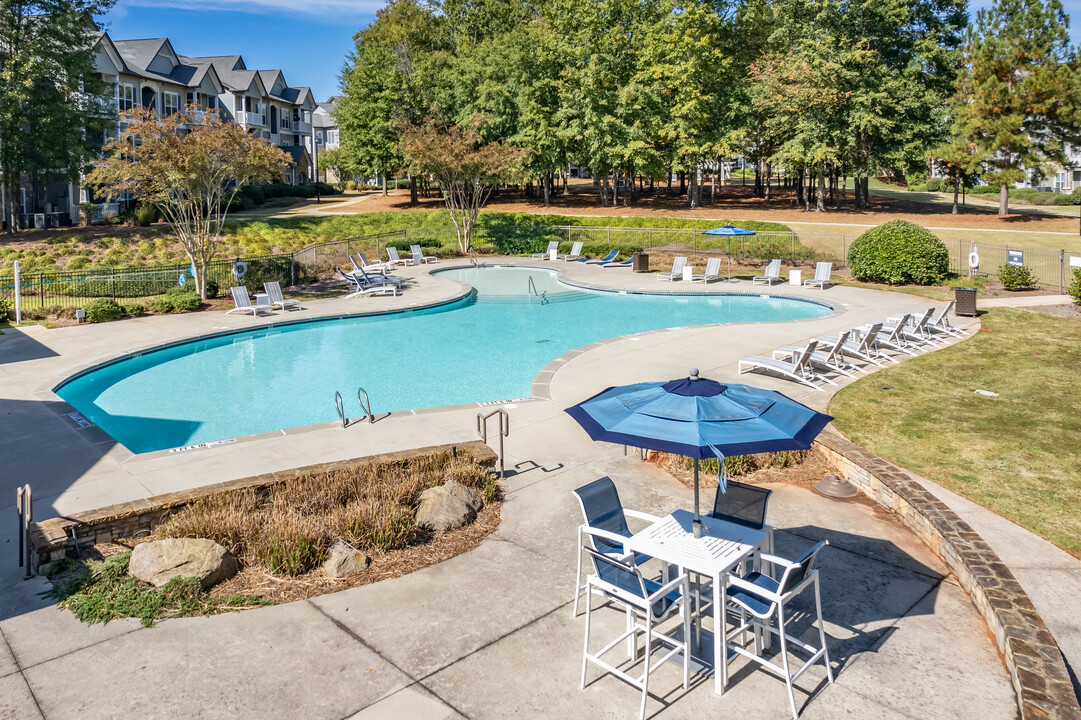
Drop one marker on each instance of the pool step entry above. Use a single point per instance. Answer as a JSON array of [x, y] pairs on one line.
[[362, 400], [504, 431]]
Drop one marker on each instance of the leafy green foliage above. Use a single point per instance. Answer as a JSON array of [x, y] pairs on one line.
[[1075, 286], [98, 592], [103, 310], [898, 253], [1016, 277], [133, 309], [266, 270], [178, 298]]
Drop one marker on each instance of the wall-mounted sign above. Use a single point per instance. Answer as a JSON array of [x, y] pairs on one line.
[[1075, 261], [1015, 257]]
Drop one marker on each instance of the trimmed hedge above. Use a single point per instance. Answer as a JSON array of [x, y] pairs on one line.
[[1075, 286], [1016, 277], [103, 310], [899, 253]]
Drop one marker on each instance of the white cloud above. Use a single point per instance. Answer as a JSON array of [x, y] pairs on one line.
[[323, 9]]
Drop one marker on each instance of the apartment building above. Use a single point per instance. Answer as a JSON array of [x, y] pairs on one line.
[[150, 73], [324, 134]]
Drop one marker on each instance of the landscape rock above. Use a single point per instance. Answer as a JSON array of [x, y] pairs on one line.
[[344, 560], [448, 506], [160, 561]]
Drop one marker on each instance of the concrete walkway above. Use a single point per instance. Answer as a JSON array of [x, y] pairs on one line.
[[1023, 301], [488, 633]]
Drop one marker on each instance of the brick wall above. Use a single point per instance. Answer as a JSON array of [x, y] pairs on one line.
[[1040, 677]]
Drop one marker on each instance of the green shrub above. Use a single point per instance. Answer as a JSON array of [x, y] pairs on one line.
[[178, 298], [1075, 286], [145, 215], [266, 270], [1016, 277], [78, 262], [898, 253], [213, 288], [133, 309], [984, 190], [934, 184], [1070, 199], [163, 304], [917, 188], [103, 310], [254, 193], [350, 184], [6, 306]]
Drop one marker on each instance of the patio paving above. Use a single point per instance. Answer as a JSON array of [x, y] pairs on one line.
[[489, 633]]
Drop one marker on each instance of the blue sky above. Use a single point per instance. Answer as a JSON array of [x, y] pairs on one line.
[[307, 39]]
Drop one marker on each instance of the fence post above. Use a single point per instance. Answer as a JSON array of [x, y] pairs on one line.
[[844, 247], [960, 255], [793, 246], [41, 288], [292, 269], [18, 297], [1061, 272], [650, 238], [694, 240]]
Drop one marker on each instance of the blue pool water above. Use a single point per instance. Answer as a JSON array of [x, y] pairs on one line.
[[485, 347]]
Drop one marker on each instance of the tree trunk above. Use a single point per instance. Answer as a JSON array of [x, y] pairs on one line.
[[548, 189], [768, 194], [669, 190], [807, 192], [603, 187], [820, 201], [692, 195], [956, 189], [682, 182], [1004, 200]]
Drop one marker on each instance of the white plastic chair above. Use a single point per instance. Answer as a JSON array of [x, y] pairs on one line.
[[758, 600], [243, 303], [647, 604], [677, 270], [713, 272], [553, 247], [419, 257], [392, 254], [274, 292], [772, 274], [798, 368], [822, 276], [574, 255]]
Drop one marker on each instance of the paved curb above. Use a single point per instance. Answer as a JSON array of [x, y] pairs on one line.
[[1039, 674]]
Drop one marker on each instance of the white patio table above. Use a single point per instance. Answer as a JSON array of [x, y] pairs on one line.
[[722, 547]]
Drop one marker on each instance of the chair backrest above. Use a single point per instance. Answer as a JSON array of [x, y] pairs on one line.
[[613, 572], [869, 337], [363, 259], [274, 291], [602, 509], [922, 322], [576, 248], [610, 256], [553, 246], [678, 265], [773, 268], [713, 267], [353, 282], [742, 504], [800, 361], [942, 316], [823, 270], [392, 253], [837, 349], [415, 249], [240, 297], [897, 334], [796, 574], [354, 261]]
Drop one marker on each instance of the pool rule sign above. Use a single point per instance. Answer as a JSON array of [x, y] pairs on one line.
[[1015, 258]]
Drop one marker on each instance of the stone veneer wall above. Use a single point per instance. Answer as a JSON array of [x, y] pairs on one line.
[[1043, 685], [51, 539]]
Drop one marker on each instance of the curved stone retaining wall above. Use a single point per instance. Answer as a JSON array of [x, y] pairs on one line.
[[1043, 685]]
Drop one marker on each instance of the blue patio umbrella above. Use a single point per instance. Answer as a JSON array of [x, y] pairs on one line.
[[729, 230], [699, 418]]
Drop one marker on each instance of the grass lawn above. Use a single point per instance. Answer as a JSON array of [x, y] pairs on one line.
[[1017, 454]]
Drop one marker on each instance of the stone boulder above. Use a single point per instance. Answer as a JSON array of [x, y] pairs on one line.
[[160, 561], [344, 560], [448, 506]]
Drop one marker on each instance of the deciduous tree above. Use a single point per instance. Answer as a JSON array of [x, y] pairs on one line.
[[189, 166]]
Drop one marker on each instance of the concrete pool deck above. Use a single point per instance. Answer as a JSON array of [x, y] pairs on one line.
[[489, 633]]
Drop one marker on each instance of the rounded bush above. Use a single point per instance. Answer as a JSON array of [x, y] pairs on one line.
[[1016, 277], [103, 310], [899, 253], [1075, 286], [934, 184], [133, 309], [1070, 199]]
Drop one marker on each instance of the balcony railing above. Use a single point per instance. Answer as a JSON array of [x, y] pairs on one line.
[[249, 118], [302, 128]]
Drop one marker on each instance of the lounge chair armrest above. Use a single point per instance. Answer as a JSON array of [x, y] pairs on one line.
[[778, 561], [738, 582], [640, 515], [679, 582], [597, 532]]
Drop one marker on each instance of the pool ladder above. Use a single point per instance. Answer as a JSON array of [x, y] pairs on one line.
[[531, 289], [504, 431], [24, 504], [362, 400]]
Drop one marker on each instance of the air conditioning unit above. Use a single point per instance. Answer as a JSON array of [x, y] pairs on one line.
[[39, 221]]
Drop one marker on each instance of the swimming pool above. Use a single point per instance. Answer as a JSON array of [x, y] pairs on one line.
[[487, 346]]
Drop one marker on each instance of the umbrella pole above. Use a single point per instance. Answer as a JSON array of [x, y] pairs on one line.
[[696, 526]]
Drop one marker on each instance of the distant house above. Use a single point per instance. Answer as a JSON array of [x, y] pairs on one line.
[[325, 132], [150, 73]]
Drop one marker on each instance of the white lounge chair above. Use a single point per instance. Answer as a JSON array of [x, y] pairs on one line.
[[419, 257], [937, 328], [772, 275], [574, 255], [243, 303], [274, 292], [893, 337], [394, 259], [863, 348], [828, 358], [356, 289], [917, 330], [614, 264], [553, 247], [677, 270], [822, 276], [370, 266], [798, 369], [713, 272], [611, 256]]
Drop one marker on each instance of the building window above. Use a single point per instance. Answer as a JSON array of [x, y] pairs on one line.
[[286, 119], [262, 114], [126, 97], [170, 103], [332, 137]]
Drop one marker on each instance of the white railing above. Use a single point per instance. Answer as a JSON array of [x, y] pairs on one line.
[[302, 128], [249, 118]]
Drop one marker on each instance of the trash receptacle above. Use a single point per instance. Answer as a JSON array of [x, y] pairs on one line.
[[640, 262], [964, 301]]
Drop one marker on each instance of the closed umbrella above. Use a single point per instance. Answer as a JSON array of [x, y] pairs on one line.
[[728, 231], [699, 418]]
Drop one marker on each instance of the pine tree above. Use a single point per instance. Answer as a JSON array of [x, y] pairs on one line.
[[53, 107], [1021, 93]]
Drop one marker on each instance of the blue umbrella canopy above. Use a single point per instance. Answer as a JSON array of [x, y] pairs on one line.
[[699, 418], [729, 230]]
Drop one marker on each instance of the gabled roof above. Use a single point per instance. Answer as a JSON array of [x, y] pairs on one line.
[[139, 54], [224, 62], [269, 77], [298, 153], [304, 95], [102, 39]]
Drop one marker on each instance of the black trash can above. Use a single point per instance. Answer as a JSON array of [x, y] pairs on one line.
[[964, 301], [640, 262]]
